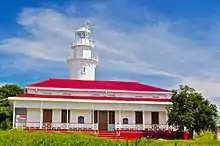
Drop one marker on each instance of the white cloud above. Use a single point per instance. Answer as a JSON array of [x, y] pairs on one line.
[[2, 84], [205, 85], [148, 50], [51, 33], [209, 88]]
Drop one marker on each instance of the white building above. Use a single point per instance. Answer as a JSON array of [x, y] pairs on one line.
[[82, 102]]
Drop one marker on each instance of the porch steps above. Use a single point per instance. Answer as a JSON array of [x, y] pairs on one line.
[[109, 135]]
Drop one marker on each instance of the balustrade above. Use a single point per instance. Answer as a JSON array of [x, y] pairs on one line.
[[57, 126], [135, 127], [90, 126], [87, 42]]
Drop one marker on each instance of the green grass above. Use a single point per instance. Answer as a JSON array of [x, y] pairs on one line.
[[20, 138]]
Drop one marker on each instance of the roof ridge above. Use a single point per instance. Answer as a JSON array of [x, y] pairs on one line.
[[97, 84], [91, 80]]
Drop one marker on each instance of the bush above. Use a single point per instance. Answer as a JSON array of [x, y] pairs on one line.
[[21, 138]]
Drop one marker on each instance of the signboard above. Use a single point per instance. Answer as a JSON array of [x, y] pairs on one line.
[[21, 117]]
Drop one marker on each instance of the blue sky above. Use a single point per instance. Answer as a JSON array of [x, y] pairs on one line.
[[157, 42]]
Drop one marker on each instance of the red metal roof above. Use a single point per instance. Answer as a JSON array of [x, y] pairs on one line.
[[97, 84], [95, 98]]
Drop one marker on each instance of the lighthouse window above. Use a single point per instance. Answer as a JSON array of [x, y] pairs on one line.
[[83, 70], [81, 34]]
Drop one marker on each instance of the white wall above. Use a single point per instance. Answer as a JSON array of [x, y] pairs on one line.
[[147, 117], [76, 70], [128, 114], [33, 115], [89, 106], [163, 118], [74, 114], [82, 42], [56, 115]]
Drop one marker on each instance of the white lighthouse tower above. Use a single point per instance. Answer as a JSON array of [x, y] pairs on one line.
[[83, 60]]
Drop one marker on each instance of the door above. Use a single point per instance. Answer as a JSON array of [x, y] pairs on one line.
[[138, 117], [47, 116], [111, 121], [103, 120], [64, 116], [155, 117]]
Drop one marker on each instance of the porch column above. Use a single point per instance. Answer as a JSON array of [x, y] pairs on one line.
[[14, 118], [92, 111], [143, 120], [119, 116], [67, 118], [166, 124], [41, 115], [166, 116], [143, 116]]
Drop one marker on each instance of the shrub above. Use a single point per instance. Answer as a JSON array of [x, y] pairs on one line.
[[21, 138]]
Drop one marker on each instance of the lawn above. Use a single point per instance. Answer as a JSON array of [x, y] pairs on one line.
[[20, 138]]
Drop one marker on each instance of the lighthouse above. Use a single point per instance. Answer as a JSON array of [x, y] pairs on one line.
[[83, 61]]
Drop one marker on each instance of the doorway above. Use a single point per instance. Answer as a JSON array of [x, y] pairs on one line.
[[47, 116], [138, 117], [105, 120], [154, 117]]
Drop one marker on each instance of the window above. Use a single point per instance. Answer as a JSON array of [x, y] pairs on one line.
[[83, 70], [95, 94], [111, 117], [47, 115], [138, 96], [64, 116], [111, 95], [81, 120], [95, 116], [138, 117], [67, 94], [155, 117], [46, 93], [81, 34], [125, 121]]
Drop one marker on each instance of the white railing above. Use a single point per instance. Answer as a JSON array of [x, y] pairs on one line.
[[90, 126], [143, 127], [84, 42], [129, 126], [95, 57], [57, 126]]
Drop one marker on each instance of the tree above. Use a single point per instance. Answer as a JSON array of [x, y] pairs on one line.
[[192, 111], [5, 106]]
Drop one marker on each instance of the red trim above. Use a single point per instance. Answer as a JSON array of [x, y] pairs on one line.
[[94, 98], [97, 84], [129, 135], [76, 91]]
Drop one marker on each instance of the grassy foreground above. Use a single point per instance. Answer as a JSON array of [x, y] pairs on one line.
[[20, 138]]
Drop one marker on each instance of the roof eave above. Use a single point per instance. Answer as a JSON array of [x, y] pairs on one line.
[[95, 90], [86, 100]]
